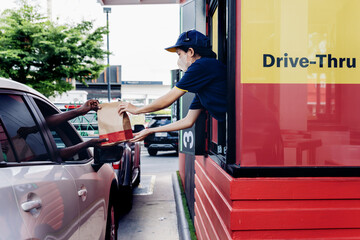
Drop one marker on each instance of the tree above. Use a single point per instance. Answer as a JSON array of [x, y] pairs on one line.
[[41, 54]]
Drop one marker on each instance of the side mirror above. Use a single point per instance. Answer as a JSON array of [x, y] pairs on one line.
[[108, 154], [138, 128]]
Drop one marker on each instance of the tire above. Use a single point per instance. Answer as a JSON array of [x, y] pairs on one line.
[[112, 222], [137, 180], [136, 164], [152, 152], [126, 199]]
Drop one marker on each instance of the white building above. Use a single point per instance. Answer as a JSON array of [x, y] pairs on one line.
[[142, 93]]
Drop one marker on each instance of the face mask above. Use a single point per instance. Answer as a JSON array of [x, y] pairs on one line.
[[183, 63]]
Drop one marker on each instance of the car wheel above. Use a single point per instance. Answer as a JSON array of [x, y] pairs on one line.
[[126, 199], [152, 152], [112, 222], [137, 180]]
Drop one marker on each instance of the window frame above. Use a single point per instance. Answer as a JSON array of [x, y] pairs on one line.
[[40, 126], [238, 171], [62, 133], [219, 150]]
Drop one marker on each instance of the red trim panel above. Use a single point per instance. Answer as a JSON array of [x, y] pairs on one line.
[[211, 213], [314, 234], [201, 231], [268, 208], [205, 185], [295, 188], [182, 167], [208, 220]]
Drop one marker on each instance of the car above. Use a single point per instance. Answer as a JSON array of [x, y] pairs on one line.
[[128, 173], [162, 141], [44, 196]]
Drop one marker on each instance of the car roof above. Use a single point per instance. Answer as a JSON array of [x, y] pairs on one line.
[[13, 85]]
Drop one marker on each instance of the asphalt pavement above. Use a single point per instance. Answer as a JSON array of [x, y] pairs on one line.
[[154, 212]]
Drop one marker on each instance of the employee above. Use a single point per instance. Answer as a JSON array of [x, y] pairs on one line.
[[204, 75]]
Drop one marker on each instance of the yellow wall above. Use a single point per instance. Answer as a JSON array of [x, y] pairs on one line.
[[304, 30], [215, 32]]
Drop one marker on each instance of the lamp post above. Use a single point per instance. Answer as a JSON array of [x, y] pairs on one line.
[[49, 9], [107, 11]]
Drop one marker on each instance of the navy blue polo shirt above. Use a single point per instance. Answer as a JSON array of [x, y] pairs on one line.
[[206, 77]]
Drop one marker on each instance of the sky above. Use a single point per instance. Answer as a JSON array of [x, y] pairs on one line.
[[138, 34]]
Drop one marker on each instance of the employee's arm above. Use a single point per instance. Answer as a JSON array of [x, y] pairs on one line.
[[186, 122], [160, 103]]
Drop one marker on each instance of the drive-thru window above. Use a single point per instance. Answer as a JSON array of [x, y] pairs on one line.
[[286, 163]]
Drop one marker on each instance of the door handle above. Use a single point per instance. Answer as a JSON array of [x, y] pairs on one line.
[[82, 192], [29, 205]]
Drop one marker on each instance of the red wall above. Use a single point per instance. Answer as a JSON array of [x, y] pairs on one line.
[[274, 208]]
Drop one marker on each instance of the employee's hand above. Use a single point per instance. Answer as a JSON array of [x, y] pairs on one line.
[[141, 135], [127, 107], [89, 105]]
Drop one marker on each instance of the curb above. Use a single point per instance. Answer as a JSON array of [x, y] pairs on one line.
[[183, 226]]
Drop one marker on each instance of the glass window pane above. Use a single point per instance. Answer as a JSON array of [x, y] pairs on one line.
[[6, 154], [26, 142], [64, 135]]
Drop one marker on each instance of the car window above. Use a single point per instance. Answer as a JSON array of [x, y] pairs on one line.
[[86, 125], [64, 135], [4, 145], [19, 134]]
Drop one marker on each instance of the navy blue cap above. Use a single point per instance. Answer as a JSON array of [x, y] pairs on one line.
[[191, 38]]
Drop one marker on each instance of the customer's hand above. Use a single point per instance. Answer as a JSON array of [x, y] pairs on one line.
[[89, 105], [96, 142], [127, 107]]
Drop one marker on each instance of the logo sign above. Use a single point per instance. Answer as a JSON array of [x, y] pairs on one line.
[[188, 139], [300, 41], [321, 61]]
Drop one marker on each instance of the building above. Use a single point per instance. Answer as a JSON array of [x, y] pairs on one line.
[[136, 92], [142, 93]]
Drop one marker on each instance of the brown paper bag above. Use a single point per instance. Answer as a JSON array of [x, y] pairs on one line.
[[112, 126]]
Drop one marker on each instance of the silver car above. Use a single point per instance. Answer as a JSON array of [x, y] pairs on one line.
[[43, 196]]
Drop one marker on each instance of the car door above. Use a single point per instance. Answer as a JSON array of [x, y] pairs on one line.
[[44, 191], [91, 186], [11, 223], [92, 202]]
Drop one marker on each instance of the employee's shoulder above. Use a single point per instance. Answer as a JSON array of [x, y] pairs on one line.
[[208, 64]]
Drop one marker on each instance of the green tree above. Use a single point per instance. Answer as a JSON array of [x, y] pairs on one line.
[[41, 53]]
